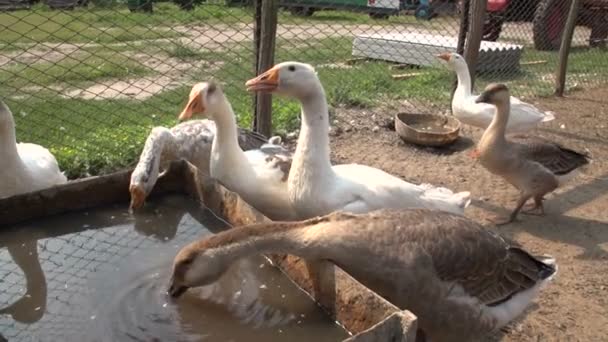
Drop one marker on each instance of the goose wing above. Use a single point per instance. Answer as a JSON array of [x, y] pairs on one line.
[[484, 264], [555, 157]]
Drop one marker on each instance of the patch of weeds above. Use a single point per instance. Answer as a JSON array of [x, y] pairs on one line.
[[183, 52]]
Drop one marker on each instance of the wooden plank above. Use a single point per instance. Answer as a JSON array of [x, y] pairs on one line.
[[462, 37], [533, 63], [471, 49], [564, 49], [268, 32], [406, 76]]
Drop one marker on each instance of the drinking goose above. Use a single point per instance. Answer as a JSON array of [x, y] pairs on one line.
[[316, 187], [534, 165], [25, 167], [461, 280], [524, 116], [188, 140], [259, 176]]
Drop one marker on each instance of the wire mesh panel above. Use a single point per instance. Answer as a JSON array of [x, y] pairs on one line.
[[374, 55], [89, 79], [90, 82]]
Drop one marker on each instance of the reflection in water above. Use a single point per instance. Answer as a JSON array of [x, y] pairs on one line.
[[107, 279], [31, 306]]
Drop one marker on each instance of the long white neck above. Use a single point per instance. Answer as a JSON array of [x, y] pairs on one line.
[[311, 162], [227, 156], [8, 142], [463, 89], [160, 142], [497, 128]]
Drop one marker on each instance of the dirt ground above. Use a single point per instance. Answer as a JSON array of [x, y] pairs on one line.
[[575, 230]]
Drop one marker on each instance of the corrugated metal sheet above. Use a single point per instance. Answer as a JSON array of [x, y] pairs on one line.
[[421, 49]]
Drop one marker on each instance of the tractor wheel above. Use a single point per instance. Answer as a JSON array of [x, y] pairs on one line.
[[548, 25], [302, 11], [492, 26], [424, 12], [599, 32], [377, 15]]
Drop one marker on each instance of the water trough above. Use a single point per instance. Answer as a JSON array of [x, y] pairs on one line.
[[363, 313]]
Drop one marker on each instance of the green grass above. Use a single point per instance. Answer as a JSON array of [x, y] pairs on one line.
[[93, 136], [114, 24], [86, 67], [98, 136], [183, 52]]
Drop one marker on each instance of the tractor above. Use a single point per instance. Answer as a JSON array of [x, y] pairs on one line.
[[548, 19]]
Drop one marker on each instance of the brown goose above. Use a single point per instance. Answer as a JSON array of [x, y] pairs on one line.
[[462, 281], [534, 165]]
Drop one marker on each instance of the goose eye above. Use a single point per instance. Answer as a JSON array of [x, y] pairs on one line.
[[291, 68]]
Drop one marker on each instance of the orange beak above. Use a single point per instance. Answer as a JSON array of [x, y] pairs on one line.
[[138, 196], [267, 82], [194, 106], [446, 56]]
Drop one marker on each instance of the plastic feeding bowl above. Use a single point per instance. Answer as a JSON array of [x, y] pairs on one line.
[[427, 129]]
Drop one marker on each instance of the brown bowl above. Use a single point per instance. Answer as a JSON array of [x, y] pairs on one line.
[[427, 129]]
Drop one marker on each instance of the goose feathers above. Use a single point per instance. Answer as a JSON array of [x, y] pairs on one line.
[[553, 156]]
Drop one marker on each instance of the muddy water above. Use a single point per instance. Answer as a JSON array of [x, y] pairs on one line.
[[102, 275]]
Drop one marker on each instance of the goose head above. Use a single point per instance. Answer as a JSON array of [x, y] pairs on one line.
[[194, 266], [292, 79], [206, 98], [495, 93], [453, 60], [139, 190]]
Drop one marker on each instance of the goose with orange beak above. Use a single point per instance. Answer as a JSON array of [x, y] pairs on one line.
[[190, 140], [523, 117], [259, 176], [315, 187]]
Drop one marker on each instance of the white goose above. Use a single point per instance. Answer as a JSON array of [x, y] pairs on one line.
[[258, 176], [315, 186], [188, 140], [524, 116], [25, 167]]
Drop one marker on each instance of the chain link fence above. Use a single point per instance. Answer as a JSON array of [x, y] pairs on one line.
[[101, 275], [89, 79]]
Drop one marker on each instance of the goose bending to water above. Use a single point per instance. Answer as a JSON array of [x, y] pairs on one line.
[[259, 176], [524, 116], [315, 186], [25, 167], [535, 166], [188, 140], [462, 280]]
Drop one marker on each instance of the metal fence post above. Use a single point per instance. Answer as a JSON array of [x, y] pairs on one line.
[[463, 29], [476, 19], [267, 26], [564, 49]]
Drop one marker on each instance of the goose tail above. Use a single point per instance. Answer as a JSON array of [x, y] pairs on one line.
[[549, 116], [446, 200]]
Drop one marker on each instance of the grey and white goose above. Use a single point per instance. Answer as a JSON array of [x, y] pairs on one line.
[[189, 140], [534, 165], [462, 280]]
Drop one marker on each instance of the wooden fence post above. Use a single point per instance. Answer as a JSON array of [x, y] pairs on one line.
[[476, 19], [564, 49], [462, 37], [265, 31]]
